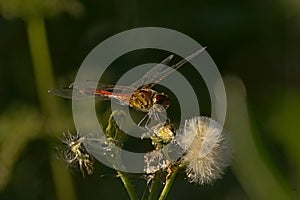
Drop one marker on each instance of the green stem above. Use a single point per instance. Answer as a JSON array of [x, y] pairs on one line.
[[42, 65], [40, 55], [63, 181], [169, 184], [129, 187], [154, 188]]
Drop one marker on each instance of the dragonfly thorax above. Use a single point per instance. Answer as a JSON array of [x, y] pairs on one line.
[[145, 99]]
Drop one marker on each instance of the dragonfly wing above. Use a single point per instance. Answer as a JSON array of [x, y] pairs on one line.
[[89, 84], [73, 93], [86, 89], [175, 67], [161, 71], [62, 92], [104, 86], [116, 88], [152, 74]]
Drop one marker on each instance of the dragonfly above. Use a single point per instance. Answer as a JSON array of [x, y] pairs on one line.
[[139, 95]]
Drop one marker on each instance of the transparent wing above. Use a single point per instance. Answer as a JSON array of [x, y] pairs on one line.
[[65, 92], [154, 72], [161, 71], [84, 90], [102, 86]]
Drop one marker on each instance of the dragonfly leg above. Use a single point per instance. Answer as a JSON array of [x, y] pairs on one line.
[[147, 126], [158, 114], [149, 132], [143, 119]]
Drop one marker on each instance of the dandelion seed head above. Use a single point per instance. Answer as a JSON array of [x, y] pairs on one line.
[[208, 149]]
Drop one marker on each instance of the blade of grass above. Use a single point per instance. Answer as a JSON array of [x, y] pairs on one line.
[[42, 65]]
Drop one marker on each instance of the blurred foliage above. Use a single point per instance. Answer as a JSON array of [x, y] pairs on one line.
[[30, 8], [254, 40], [250, 163], [18, 126]]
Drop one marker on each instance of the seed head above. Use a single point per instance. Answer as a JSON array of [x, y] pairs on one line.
[[75, 153], [208, 149]]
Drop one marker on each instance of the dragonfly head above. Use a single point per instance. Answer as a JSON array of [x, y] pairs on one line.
[[161, 99]]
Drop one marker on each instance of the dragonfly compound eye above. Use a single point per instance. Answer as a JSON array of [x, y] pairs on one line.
[[162, 100]]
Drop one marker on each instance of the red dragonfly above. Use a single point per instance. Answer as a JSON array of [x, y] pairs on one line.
[[139, 95]]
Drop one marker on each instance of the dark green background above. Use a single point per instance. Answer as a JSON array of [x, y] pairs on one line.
[[255, 41]]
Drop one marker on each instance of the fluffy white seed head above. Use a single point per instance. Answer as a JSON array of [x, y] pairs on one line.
[[208, 149]]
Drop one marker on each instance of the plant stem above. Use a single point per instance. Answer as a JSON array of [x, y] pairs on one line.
[[168, 185], [63, 181], [154, 188], [128, 185], [37, 38], [42, 65]]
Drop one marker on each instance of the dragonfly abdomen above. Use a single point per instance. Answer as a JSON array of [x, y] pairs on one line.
[[123, 98]]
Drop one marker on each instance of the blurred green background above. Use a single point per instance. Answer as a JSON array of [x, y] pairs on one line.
[[255, 44]]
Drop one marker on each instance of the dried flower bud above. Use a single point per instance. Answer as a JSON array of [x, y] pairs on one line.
[[155, 161], [208, 149], [75, 153]]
